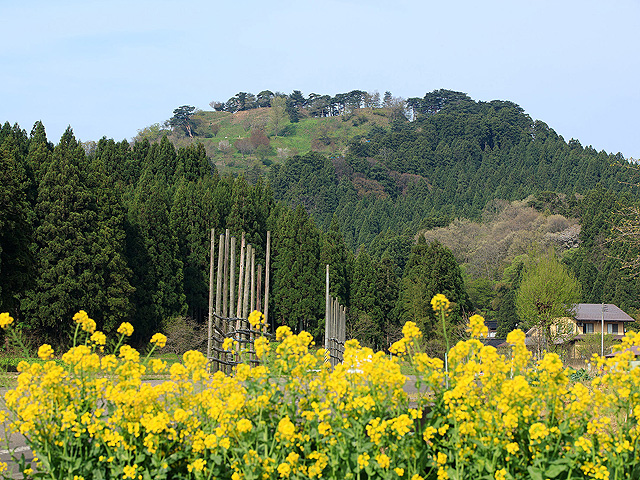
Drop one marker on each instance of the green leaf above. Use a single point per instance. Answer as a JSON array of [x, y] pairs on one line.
[[535, 473]]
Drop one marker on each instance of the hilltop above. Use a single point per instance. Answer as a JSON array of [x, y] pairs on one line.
[[243, 140]]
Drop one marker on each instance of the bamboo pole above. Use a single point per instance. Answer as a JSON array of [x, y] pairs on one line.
[[266, 282], [232, 277], [259, 286], [253, 280], [209, 323], [219, 277], [225, 276], [240, 279], [327, 314], [245, 298], [219, 294]]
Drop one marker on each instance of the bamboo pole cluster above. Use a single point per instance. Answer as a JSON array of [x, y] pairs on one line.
[[335, 327], [228, 318]]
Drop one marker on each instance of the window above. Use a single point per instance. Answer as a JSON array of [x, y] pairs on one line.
[[588, 328], [612, 328]]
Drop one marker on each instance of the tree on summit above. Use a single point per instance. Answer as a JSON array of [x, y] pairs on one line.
[[182, 118]]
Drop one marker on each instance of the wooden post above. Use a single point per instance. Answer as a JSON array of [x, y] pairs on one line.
[[240, 279], [259, 286], [225, 276], [253, 280], [334, 330], [209, 323], [245, 299], [219, 289], [232, 278], [266, 282], [219, 277], [327, 314]]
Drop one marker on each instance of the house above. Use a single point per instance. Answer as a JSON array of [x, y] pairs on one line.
[[588, 318]]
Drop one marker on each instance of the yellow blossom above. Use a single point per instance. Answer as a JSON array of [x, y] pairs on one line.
[[98, 338], [439, 302], [159, 339], [256, 318], [45, 352], [126, 329], [5, 320]]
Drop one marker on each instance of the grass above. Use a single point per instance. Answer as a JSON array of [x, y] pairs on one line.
[[329, 135]]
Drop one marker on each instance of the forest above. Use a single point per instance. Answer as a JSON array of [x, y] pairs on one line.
[[448, 195]]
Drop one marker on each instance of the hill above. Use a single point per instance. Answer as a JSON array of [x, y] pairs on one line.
[[251, 139]]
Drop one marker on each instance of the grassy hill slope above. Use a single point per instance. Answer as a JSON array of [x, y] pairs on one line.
[[221, 131]]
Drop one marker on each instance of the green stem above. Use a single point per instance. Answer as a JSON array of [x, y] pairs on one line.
[[144, 362], [18, 339]]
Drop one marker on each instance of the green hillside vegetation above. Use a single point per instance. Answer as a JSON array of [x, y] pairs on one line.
[[247, 140], [404, 199]]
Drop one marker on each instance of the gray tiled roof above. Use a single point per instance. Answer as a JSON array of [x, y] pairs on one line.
[[590, 312]]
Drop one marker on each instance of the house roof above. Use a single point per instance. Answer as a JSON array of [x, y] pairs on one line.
[[592, 312], [633, 348], [491, 324]]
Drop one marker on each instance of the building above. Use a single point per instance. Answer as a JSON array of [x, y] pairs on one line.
[[567, 334], [589, 317]]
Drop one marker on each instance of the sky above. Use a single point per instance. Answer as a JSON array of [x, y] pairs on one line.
[[111, 68]]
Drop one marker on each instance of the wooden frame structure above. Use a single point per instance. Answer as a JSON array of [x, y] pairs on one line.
[[229, 317]]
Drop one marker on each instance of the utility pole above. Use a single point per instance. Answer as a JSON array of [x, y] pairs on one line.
[[602, 333]]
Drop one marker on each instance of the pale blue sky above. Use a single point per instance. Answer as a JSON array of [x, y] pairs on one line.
[[109, 68]]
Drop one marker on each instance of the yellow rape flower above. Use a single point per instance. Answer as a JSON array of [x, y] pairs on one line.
[[130, 471], [363, 460], [197, 465], [45, 352], [283, 332], [129, 353], [284, 469], [399, 471], [512, 448], [227, 343], [261, 346], [159, 339], [477, 328], [439, 302], [5, 320], [98, 338], [157, 365], [500, 474], [244, 425], [286, 428], [256, 318], [538, 431], [126, 329], [383, 460], [86, 323]]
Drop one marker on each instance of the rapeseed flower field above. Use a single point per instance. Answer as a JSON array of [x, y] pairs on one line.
[[483, 415]]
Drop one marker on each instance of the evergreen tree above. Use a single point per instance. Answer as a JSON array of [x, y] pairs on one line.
[[431, 269], [114, 290], [16, 227], [153, 253], [77, 264], [336, 254], [192, 216], [298, 291]]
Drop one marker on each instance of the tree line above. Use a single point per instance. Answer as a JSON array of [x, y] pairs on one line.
[[314, 105], [122, 230]]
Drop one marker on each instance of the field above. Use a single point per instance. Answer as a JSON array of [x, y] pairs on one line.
[[482, 416]]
